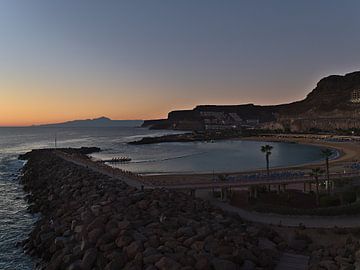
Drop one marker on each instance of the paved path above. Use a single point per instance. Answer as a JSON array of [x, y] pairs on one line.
[[293, 262], [275, 219], [103, 169], [258, 182], [286, 220]]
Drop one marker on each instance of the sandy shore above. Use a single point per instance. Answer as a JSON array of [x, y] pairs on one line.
[[349, 151]]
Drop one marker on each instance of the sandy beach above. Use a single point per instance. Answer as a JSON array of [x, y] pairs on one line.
[[348, 149]]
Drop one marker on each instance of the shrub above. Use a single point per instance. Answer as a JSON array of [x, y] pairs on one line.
[[349, 197], [223, 177], [329, 200], [216, 194], [349, 209]]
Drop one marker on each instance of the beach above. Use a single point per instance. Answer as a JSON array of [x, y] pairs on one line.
[[347, 152]]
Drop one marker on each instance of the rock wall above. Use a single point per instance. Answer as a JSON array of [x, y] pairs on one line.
[[90, 221]]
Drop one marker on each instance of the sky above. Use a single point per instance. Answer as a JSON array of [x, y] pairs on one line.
[[78, 59]]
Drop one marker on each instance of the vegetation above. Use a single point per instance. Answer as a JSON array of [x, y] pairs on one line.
[[348, 197], [329, 200], [343, 203], [223, 177], [348, 209], [326, 153], [267, 150], [316, 174]]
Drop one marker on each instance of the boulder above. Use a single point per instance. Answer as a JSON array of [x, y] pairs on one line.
[[94, 235], [166, 263], [89, 259], [298, 245], [75, 265], [133, 249], [219, 264], [248, 265], [122, 225], [123, 241], [202, 263]]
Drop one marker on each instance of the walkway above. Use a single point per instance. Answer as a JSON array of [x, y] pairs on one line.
[[275, 219], [286, 220], [259, 182], [103, 169]]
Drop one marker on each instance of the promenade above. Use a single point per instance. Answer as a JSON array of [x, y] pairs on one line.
[[202, 191], [129, 178], [286, 220], [245, 183], [118, 226]]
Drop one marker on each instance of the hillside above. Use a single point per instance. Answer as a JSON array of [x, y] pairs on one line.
[[328, 106]]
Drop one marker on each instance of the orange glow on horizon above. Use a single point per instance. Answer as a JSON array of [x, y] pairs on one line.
[[36, 105], [29, 102]]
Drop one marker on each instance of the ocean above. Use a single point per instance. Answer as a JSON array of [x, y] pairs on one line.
[[220, 156]]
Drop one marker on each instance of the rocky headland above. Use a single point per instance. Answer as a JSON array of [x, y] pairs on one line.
[[334, 104], [191, 137]]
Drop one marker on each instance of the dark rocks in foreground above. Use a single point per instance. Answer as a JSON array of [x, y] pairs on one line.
[[81, 151], [91, 221]]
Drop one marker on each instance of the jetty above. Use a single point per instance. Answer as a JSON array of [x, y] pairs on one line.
[[92, 220], [94, 216], [117, 160]]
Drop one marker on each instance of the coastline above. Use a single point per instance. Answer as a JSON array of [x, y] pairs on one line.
[[346, 152], [90, 220]]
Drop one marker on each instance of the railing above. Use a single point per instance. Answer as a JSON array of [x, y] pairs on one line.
[[263, 181]]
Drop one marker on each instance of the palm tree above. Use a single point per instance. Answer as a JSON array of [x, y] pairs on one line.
[[267, 150], [316, 173], [326, 153], [223, 178]]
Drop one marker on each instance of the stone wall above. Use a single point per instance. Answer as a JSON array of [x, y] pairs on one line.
[[90, 221]]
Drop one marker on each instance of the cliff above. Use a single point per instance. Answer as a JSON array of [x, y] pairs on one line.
[[331, 96], [330, 105]]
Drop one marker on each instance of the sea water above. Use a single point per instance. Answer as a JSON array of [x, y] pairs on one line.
[[194, 157]]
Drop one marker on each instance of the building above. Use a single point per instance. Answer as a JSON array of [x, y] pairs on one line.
[[355, 96]]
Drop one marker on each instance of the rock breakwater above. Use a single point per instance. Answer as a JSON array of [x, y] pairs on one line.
[[92, 221]]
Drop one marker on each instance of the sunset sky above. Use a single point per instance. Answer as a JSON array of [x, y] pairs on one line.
[[64, 60]]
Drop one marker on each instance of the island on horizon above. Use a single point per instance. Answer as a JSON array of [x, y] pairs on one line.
[[96, 122]]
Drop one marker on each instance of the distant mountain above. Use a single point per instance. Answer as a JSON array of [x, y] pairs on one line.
[[97, 122]]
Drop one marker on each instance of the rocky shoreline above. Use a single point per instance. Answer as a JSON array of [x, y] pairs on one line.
[[192, 137], [91, 221]]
